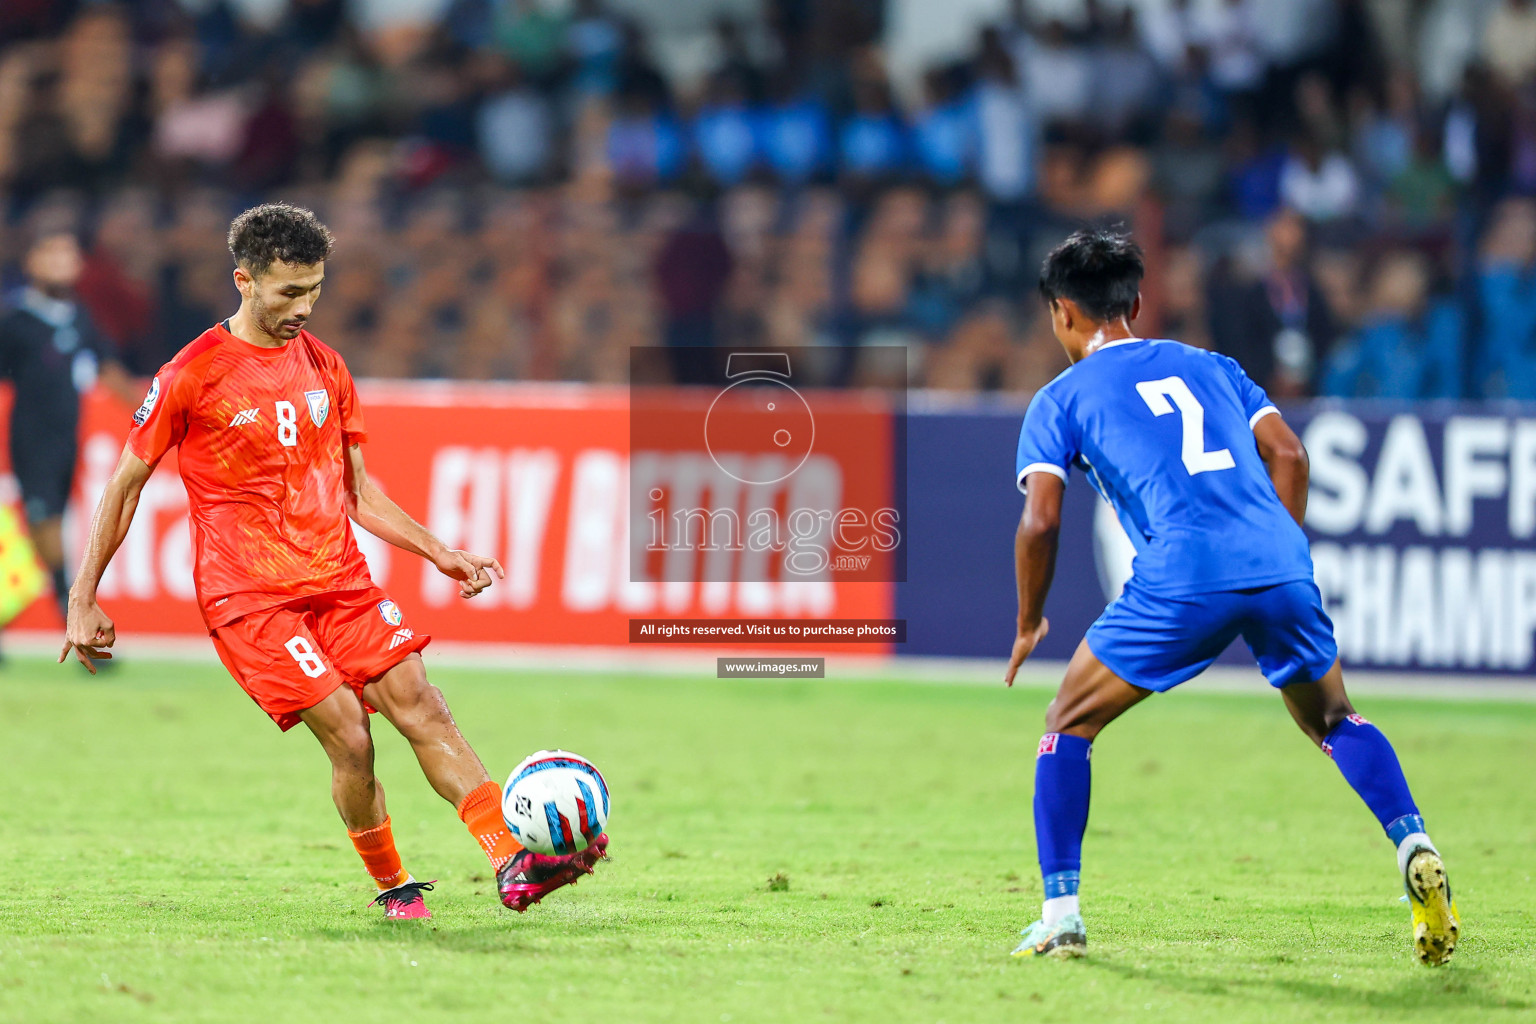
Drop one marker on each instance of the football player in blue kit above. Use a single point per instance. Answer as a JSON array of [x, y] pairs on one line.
[[1211, 486]]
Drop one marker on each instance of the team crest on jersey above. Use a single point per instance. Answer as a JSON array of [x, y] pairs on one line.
[[149, 403], [319, 406], [390, 612]]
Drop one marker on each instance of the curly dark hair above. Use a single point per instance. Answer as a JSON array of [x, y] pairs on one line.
[[1100, 269], [271, 232]]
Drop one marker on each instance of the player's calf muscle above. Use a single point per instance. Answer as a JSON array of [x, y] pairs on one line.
[[1320, 706]]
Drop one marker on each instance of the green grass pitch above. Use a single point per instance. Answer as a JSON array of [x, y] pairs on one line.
[[782, 851]]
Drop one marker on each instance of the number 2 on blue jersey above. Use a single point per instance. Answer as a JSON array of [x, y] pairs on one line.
[[1156, 394]]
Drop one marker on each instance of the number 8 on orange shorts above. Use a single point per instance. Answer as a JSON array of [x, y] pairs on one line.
[[292, 656]]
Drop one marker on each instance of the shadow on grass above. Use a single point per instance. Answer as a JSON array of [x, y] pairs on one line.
[[1455, 989], [488, 937]]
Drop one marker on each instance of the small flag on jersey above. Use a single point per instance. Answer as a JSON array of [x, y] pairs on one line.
[[390, 612], [319, 406]]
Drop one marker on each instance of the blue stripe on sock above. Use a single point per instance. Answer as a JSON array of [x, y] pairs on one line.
[[1062, 883], [1403, 827]]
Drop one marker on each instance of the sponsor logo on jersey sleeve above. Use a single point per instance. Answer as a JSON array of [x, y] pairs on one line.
[[319, 405], [390, 612], [401, 636], [149, 403]]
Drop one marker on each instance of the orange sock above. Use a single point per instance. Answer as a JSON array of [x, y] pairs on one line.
[[481, 811], [377, 848]]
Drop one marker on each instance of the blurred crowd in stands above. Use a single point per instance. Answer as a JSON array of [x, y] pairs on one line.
[[523, 191]]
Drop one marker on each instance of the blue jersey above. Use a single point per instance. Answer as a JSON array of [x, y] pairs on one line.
[[1164, 432]]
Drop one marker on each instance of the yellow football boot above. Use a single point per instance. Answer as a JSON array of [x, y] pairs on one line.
[[1435, 925]]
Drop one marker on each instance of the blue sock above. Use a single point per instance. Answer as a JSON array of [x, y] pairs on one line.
[[1369, 764], [1061, 810]]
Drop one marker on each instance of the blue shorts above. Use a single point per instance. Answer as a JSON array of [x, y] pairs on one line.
[[1157, 642]]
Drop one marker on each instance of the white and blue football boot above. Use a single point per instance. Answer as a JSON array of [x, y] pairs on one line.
[[1068, 939]]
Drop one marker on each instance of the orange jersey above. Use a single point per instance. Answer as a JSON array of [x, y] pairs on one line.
[[263, 433]]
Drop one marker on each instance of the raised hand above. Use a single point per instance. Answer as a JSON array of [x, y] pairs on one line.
[[1024, 646], [88, 633], [472, 571]]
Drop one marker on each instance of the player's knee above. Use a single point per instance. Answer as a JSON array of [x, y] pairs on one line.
[[431, 704], [1316, 731], [1334, 714], [1073, 719], [421, 707], [351, 748], [1318, 725]]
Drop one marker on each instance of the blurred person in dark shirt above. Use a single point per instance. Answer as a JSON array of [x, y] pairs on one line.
[[52, 353], [1187, 170], [951, 275], [693, 267], [1278, 325], [1126, 80], [1255, 163], [44, 155], [118, 276], [26, 19]]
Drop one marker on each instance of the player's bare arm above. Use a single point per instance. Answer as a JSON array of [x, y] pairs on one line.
[[1034, 556], [1286, 459], [374, 511], [89, 631]]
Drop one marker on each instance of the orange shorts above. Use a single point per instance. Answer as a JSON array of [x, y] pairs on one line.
[[293, 656]]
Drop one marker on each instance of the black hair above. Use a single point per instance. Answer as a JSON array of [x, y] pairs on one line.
[[271, 232], [1100, 269]]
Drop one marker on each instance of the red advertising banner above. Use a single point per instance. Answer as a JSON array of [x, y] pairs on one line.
[[536, 475]]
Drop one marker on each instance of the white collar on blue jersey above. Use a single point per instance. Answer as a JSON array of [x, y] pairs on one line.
[[1117, 342]]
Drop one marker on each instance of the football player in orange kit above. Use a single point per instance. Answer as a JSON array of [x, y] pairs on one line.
[[269, 432]]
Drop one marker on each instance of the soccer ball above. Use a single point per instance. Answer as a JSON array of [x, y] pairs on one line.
[[555, 802]]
